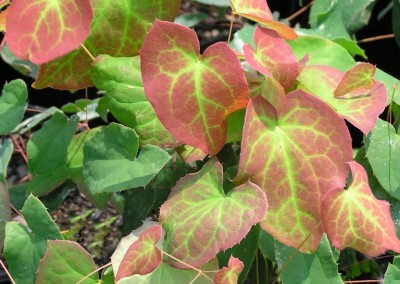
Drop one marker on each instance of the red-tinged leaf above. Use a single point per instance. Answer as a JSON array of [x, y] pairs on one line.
[[3, 19], [41, 30], [272, 91], [143, 256], [295, 155], [200, 220], [190, 154], [127, 23], [230, 274], [358, 77], [355, 218], [192, 94], [360, 107], [258, 11], [273, 57]]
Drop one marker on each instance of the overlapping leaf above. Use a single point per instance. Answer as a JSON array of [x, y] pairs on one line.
[[230, 274], [110, 163], [355, 218], [200, 220], [383, 154], [192, 94], [121, 79], [143, 256], [258, 11], [360, 107], [12, 105], [273, 57], [127, 25], [66, 262], [295, 155], [358, 77], [41, 30], [3, 19], [5, 212]]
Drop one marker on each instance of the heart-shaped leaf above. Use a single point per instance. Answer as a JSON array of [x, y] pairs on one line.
[[143, 256], [41, 30], [295, 155], [127, 25], [192, 94], [360, 107], [12, 105], [200, 220], [358, 77], [110, 162], [258, 11], [355, 218], [230, 274], [273, 57], [66, 262]]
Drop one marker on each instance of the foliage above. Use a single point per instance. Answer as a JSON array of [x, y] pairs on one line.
[[237, 153]]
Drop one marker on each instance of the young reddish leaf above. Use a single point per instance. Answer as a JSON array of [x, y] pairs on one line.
[[200, 220], [190, 154], [355, 218], [273, 57], [192, 94], [295, 155], [143, 256], [360, 107], [358, 77], [230, 274], [40, 30], [127, 23], [258, 11]]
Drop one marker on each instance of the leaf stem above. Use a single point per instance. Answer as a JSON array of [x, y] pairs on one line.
[[8, 273], [93, 272], [87, 51], [188, 265], [375, 38], [231, 27], [299, 12], [389, 114], [363, 281], [19, 149]]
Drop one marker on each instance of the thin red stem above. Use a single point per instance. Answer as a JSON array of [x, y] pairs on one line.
[[19, 149]]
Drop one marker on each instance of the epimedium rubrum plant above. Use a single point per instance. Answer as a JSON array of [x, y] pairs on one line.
[[237, 150]]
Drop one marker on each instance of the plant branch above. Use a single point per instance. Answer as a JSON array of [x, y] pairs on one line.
[[19, 149], [375, 38], [188, 265], [299, 12], [8, 273], [93, 272], [87, 51], [231, 27]]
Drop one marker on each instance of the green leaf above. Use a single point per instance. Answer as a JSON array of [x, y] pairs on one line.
[[392, 275], [245, 251], [139, 202], [6, 150], [121, 78], [23, 252], [66, 262], [5, 212], [319, 267], [396, 20], [219, 3], [12, 105], [200, 220], [191, 19], [48, 147], [383, 153], [110, 162], [322, 52], [26, 68], [127, 25], [267, 243], [39, 220]]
